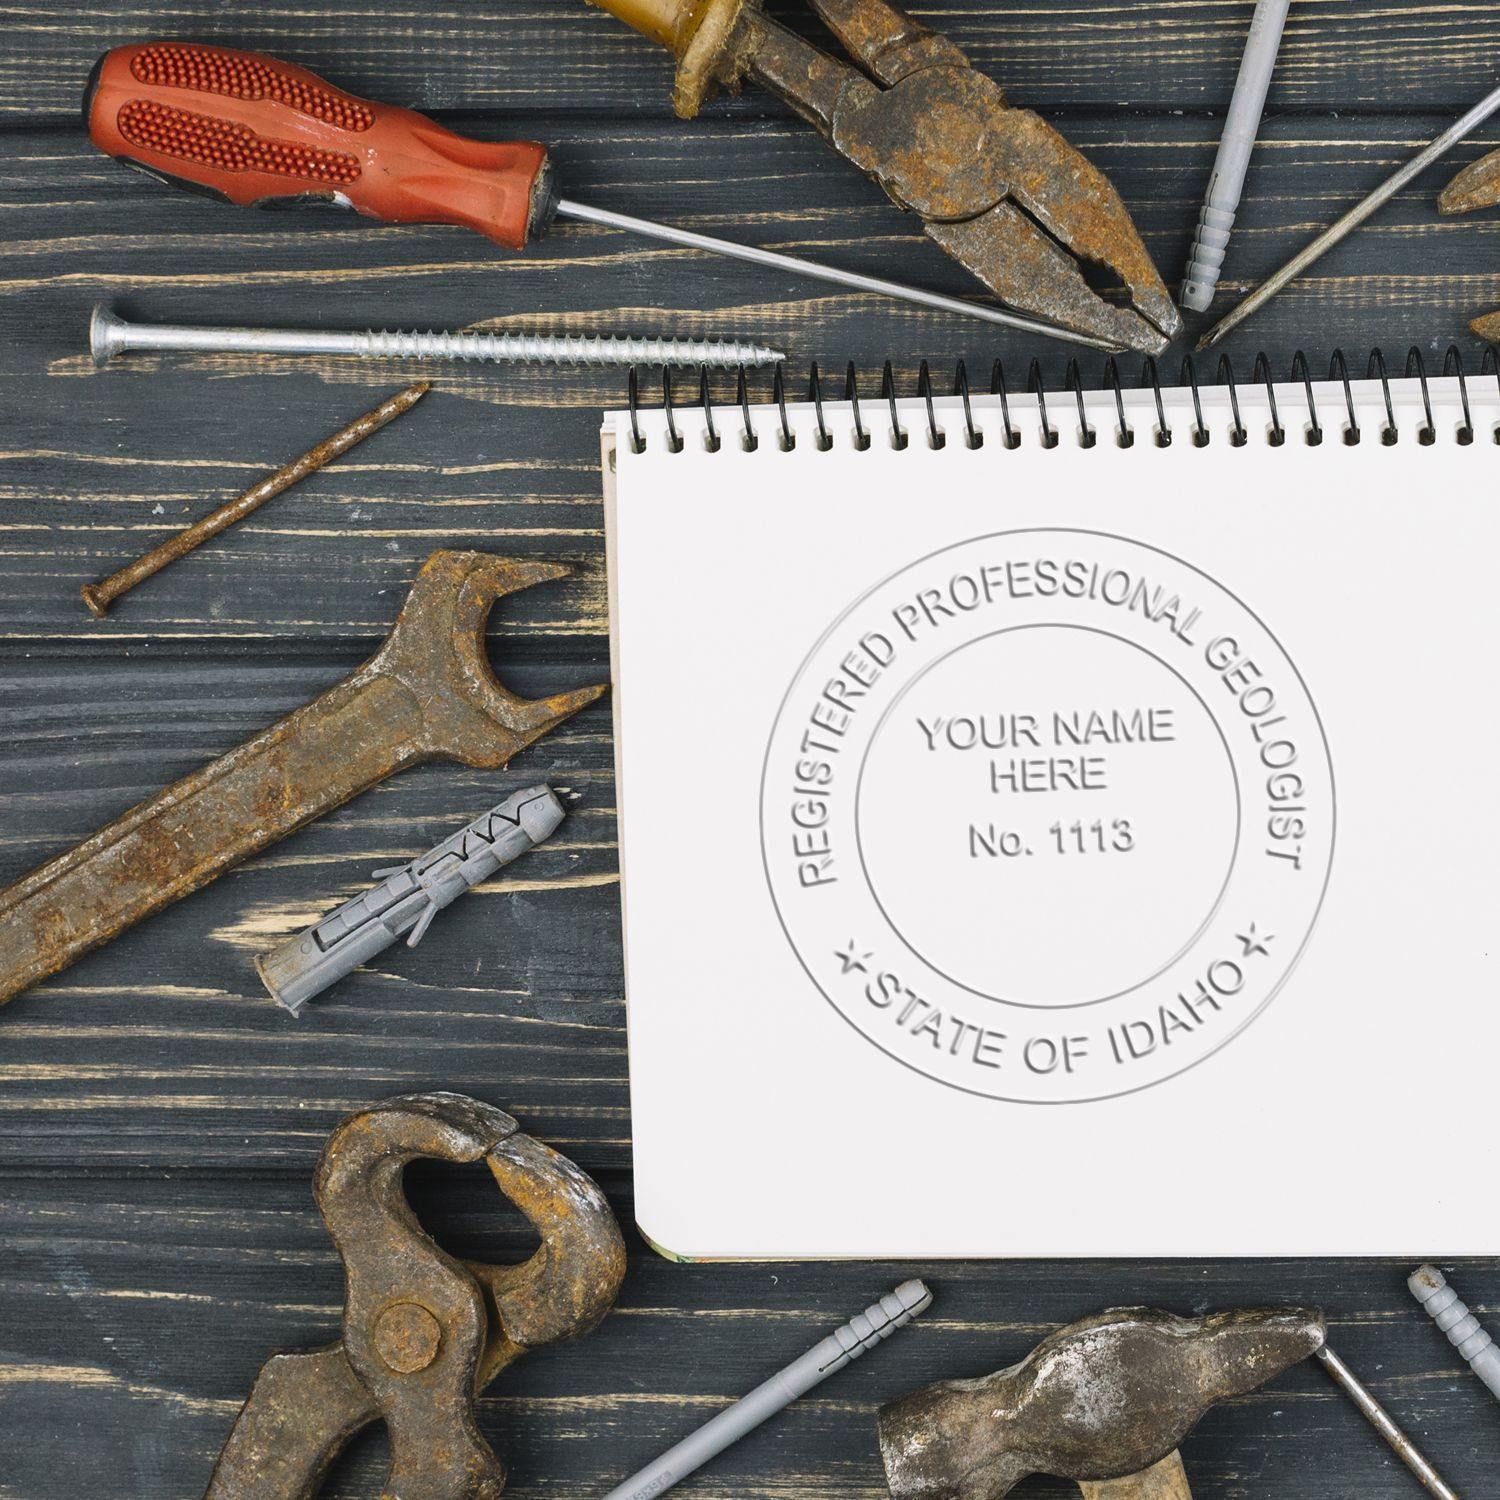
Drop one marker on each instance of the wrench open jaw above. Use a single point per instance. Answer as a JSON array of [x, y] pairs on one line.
[[999, 189], [429, 693], [1476, 187]]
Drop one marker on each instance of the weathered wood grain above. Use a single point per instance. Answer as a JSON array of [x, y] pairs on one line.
[[168, 1036], [541, 57], [159, 1115], [146, 1320], [94, 466]]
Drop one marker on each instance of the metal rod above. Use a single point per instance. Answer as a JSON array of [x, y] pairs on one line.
[[1385, 1425], [880, 287], [1354, 218], [99, 596], [111, 335]]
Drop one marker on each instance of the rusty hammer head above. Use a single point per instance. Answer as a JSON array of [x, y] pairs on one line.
[[1108, 1398], [437, 652]]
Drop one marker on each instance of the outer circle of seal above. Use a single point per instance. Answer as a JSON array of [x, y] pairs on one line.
[[901, 986]]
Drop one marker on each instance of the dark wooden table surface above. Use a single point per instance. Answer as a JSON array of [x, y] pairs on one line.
[[159, 1117]]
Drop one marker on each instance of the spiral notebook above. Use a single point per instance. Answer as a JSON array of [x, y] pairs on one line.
[[1064, 824]]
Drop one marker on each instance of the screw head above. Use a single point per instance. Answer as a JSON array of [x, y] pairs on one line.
[[407, 1338], [106, 335]]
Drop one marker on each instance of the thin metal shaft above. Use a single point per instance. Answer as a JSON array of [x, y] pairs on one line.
[[111, 335], [799, 267], [1354, 218], [99, 596], [1385, 1425]]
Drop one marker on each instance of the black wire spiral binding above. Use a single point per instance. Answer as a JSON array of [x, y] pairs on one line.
[[1124, 433]]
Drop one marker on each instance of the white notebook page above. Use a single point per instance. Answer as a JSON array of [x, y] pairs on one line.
[[1062, 851]]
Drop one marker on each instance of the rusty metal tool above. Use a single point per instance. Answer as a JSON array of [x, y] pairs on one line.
[[407, 899], [254, 130], [996, 187], [1476, 187], [1104, 1402], [423, 1334], [99, 596], [1347, 223], [429, 693]]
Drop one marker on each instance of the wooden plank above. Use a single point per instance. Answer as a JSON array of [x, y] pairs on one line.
[[93, 467], [164, 1046], [159, 1116], [548, 57], [140, 1310]]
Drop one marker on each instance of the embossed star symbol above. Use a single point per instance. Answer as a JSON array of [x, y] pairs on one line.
[[853, 959], [1253, 942]]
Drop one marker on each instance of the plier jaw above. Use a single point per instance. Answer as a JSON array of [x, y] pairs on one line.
[[423, 1334], [1476, 187], [999, 189]]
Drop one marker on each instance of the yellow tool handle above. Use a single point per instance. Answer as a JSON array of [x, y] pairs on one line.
[[670, 22], [700, 34]]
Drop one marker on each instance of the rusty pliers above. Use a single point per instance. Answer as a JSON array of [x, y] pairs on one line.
[[996, 187], [1476, 187], [423, 1333]]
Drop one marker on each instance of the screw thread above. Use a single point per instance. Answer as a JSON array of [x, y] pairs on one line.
[[1463, 1330], [523, 348]]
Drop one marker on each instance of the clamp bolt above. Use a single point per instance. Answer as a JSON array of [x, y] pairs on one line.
[[407, 1337]]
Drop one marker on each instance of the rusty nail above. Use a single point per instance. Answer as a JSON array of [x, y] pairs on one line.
[[99, 596]]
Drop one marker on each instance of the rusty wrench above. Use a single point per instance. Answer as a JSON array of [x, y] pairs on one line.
[[423, 1333], [428, 694]]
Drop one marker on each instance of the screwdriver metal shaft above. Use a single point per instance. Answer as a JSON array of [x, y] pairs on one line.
[[754, 255]]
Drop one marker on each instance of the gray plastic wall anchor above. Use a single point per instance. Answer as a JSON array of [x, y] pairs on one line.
[[844, 1345], [1431, 1289], [407, 899], [1227, 181]]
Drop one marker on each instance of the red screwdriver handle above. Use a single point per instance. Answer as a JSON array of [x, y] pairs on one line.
[[261, 132]]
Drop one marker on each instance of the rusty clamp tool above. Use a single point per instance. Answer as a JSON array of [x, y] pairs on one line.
[[428, 694], [998, 188], [423, 1333], [1476, 187]]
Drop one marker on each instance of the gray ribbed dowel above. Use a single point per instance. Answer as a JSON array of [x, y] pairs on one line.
[[407, 899], [1227, 182], [1431, 1289], [110, 335], [874, 1324]]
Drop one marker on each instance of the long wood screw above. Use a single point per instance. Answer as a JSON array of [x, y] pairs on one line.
[[99, 596]]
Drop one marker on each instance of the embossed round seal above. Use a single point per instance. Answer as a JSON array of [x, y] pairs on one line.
[[1048, 815]]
